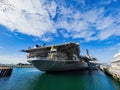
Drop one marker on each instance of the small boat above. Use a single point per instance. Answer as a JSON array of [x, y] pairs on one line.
[[62, 57]]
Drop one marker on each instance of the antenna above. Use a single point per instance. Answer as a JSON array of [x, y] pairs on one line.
[[87, 52]]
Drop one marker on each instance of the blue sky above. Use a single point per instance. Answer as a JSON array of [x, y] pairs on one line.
[[95, 24]]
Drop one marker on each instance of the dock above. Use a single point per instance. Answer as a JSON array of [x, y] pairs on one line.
[[115, 73], [5, 71]]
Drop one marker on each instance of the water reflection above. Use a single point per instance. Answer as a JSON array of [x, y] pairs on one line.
[[78, 80], [32, 79]]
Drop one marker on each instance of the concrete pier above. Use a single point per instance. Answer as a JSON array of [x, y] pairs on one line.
[[115, 73], [5, 71]]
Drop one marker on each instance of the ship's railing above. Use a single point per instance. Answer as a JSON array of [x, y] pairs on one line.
[[37, 58]]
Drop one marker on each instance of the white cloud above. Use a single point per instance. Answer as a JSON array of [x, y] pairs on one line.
[[47, 39], [65, 34], [111, 30], [51, 7], [27, 17], [106, 2], [37, 18], [93, 15], [12, 59], [83, 34], [104, 23]]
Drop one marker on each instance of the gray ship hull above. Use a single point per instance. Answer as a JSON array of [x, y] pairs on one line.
[[61, 57], [59, 65]]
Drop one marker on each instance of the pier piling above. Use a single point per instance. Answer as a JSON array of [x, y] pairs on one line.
[[5, 71]]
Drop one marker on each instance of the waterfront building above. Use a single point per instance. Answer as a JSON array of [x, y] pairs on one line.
[[116, 62]]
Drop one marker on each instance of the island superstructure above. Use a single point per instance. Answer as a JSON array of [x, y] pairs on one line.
[[59, 57]]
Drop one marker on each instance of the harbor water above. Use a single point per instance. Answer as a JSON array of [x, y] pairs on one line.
[[32, 79]]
